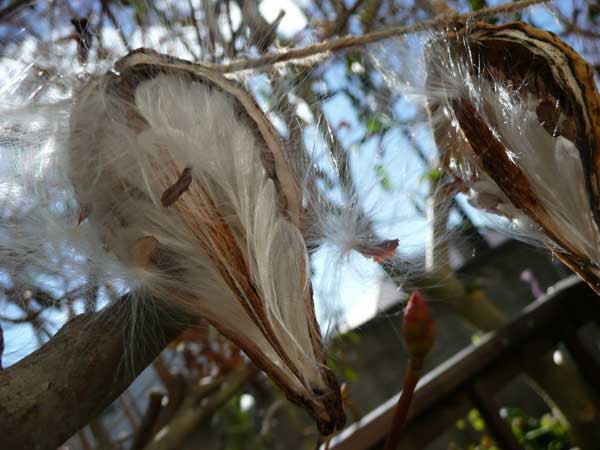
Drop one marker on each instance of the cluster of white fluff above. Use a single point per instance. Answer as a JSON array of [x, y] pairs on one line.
[[36, 131], [93, 166], [83, 176], [552, 165], [83, 181]]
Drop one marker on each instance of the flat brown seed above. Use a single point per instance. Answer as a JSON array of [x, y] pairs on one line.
[[568, 129], [548, 113], [171, 195], [84, 213], [381, 251], [144, 251]]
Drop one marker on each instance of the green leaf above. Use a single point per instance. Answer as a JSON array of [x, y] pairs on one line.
[[476, 338], [331, 364], [373, 125], [435, 174], [383, 177], [477, 4], [476, 420], [350, 374], [473, 285], [350, 59], [352, 336]]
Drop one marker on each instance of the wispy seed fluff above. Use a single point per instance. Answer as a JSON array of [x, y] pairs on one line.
[[515, 115], [180, 179]]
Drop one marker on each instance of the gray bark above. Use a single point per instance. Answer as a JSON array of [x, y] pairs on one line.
[[49, 395]]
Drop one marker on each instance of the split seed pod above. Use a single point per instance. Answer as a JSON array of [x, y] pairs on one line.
[[186, 181], [516, 116]]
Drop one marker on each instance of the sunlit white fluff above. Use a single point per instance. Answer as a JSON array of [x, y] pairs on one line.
[[191, 126], [106, 161], [552, 165], [66, 141], [554, 169]]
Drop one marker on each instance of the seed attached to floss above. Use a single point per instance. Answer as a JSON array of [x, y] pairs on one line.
[[191, 187], [84, 212], [523, 110], [144, 252], [381, 251], [171, 195]]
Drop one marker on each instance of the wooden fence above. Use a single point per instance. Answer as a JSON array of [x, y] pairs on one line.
[[473, 376]]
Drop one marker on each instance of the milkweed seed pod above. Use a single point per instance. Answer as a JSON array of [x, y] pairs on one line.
[[516, 114], [187, 182]]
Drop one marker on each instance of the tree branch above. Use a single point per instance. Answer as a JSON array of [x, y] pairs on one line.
[[357, 41], [13, 7], [49, 395], [144, 432]]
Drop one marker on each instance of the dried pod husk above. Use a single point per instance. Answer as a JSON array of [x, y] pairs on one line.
[[516, 114], [187, 182]]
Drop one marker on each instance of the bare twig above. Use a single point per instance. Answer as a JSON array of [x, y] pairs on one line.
[[369, 38], [144, 432], [12, 7], [572, 27], [100, 433], [1, 345], [176, 387], [441, 8], [113, 20], [341, 21], [195, 23], [212, 28], [418, 332], [29, 317], [192, 414], [85, 443], [411, 378], [170, 381], [127, 410], [369, 14]]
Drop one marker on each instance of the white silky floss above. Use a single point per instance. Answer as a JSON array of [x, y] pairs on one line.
[[180, 195], [532, 155]]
